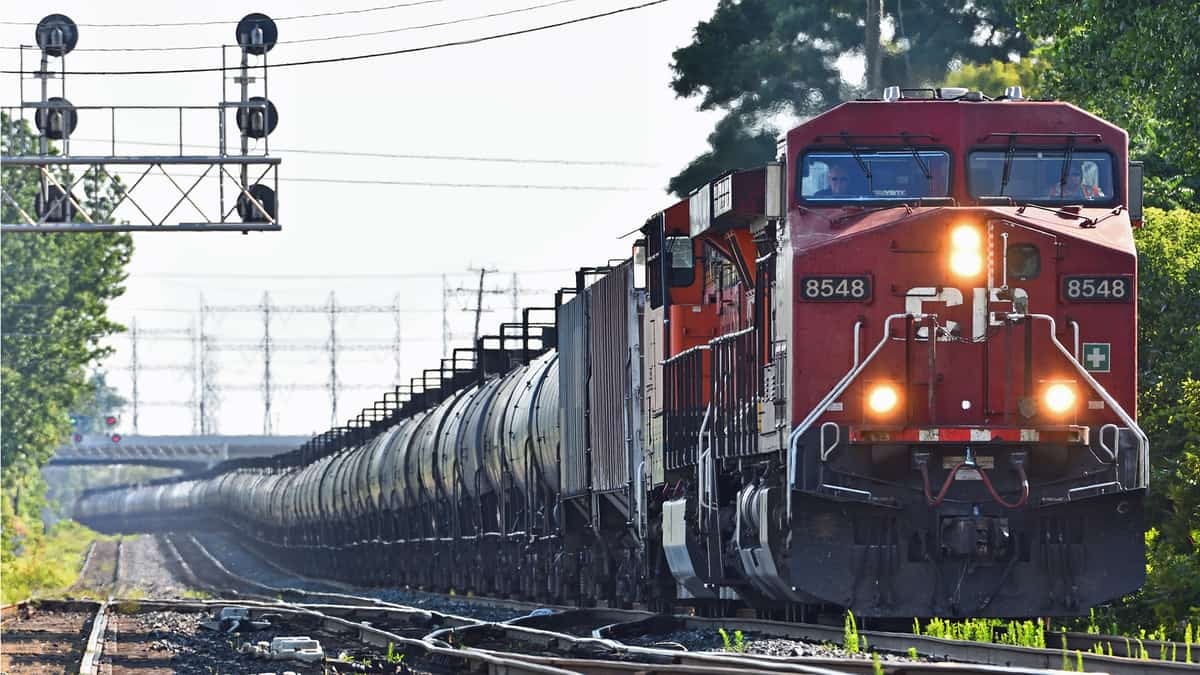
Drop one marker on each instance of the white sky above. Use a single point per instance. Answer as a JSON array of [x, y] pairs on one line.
[[593, 91]]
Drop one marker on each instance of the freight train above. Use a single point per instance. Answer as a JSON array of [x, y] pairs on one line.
[[893, 371]]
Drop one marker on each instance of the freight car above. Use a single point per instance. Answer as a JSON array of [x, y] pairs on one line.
[[894, 371]]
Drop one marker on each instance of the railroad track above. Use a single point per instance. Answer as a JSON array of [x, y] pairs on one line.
[[624, 625], [101, 570], [43, 636], [597, 640]]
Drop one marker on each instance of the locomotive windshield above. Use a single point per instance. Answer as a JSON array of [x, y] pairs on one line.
[[874, 175], [1042, 175]]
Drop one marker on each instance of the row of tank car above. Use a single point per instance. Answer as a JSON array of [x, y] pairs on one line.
[[463, 494]]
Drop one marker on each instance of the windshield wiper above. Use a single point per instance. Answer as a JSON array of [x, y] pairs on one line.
[[862, 164], [1009, 154], [920, 162], [1066, 165]]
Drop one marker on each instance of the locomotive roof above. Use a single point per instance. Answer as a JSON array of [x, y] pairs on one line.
[[959, 124]]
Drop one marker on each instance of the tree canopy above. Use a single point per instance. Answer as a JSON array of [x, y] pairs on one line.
[[1133, 63], [55, 290], [758, 59]]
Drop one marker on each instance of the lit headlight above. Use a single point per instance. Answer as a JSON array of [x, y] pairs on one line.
[[966, 251], [883, 399], [966, 237], [966, 263], [1059, 398]]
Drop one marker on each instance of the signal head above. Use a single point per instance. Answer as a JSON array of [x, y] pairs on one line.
[[250, 212], [258, 118], [58, 120], [56, 34], [256, 33]]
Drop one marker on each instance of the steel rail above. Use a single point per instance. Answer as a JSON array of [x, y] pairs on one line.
[[89, 663], [536, 632]]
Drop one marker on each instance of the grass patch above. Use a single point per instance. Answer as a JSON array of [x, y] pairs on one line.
[[33, 564]]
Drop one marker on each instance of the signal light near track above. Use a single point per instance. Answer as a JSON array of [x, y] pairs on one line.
[[116, 438], [110, 420]]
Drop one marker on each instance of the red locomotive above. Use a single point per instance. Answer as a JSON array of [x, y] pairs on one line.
[[894, 371], [930, 407]]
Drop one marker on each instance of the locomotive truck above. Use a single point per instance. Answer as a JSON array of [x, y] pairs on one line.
[[893, 371]]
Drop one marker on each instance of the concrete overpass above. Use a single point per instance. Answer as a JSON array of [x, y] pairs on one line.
[[177, 452]]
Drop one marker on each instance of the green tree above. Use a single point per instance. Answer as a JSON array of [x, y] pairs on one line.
[[758, 59], [994, 77], [55, 290], [1134, 63]]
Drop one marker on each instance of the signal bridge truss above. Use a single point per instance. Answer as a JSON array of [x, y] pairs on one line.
[[221, 189]]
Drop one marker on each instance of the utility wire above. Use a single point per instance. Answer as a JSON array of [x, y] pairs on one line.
[[396, 155], [434, 184], [489, 186], [362, 57], [326, 38], [222, 22]]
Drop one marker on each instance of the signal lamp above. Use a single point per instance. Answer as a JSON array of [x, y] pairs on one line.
[[883, 399], [110, 420], [116, 438], [966, 256], [1059, 398]]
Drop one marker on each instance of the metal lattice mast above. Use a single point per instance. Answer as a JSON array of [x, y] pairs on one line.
[[445, 317], [133, 369], [194, 403], [333, 357], [483, 272], [516, 299], [397, 347], [266, 393]]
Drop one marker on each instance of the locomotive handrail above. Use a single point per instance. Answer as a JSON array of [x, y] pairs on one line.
[[1126, 418], [703, 485], [838, 389]]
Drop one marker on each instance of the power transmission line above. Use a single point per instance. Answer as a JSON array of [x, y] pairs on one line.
[[362, 57], [486, 186], [222, 22], [435, 184], [340, 36], [396, 155]]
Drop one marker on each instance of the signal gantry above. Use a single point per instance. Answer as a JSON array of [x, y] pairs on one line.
[[235, 189]]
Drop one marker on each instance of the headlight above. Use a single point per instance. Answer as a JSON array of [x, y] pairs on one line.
[[966, 251], [883, 399], [966, 237], [1059, 398], [966, 263]]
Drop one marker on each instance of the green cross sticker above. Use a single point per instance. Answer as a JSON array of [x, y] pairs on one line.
[[1097, 356]]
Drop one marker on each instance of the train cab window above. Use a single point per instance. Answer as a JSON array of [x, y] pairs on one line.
[[873, 175], [1055, 176], [1024, 262], [681, 261]]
